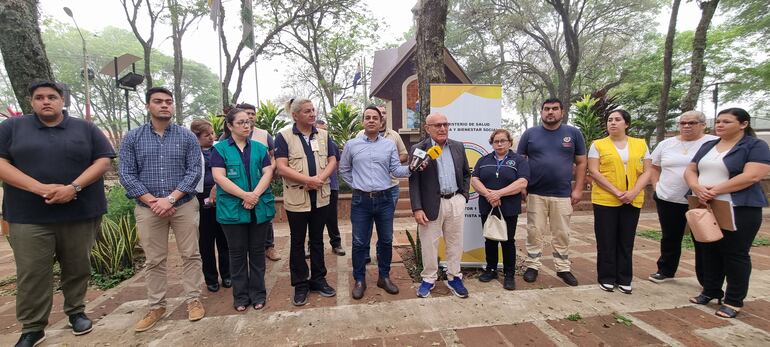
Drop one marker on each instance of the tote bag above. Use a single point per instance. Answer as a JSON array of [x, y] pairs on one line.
[[495, 228], [704, 225]]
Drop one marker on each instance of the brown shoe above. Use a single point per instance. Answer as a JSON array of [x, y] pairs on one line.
[[272, 254], [149, 320], [358, 290], [195, 310], [388, 285]]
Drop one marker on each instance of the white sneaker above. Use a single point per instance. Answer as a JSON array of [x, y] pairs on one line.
[[625, 289]]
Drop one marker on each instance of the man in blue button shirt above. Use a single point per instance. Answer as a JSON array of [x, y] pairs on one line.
[[160, 165], [367, 163]]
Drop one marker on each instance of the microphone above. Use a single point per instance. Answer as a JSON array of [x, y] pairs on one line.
[[421, 159]]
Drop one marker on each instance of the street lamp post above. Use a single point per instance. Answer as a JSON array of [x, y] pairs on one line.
[[715, 95], [86, 74]]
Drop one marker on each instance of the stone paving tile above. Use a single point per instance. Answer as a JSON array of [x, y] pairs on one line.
[[756, 314], [603, 330], [681, 323], [126, 294], [480, 337], [279, 297], [544, 281], [760, 263], [368, 342], [421, 339], [524, 334]]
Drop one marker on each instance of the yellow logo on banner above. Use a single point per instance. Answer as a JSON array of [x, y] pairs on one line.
[[450, 93]]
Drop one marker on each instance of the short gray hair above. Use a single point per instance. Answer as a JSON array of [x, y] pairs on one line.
[[294, 105], [697, 114]]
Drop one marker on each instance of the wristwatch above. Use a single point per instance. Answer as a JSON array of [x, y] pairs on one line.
[[77, 187], [171, 199]]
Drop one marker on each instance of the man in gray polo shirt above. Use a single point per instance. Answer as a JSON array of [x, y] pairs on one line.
[[51, 166]]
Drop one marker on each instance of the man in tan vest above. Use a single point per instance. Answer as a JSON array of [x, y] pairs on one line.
[[263, 137], [306, 158]]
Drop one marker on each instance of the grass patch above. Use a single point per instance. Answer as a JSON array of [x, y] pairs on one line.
[[622, 319], [105, 282], [687, 242], [574, 317]]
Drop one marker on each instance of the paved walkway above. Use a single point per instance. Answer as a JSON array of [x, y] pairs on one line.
[[533, 315]]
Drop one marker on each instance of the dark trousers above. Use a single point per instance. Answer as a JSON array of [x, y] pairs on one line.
[[247, 262], [270, 237], [729, 258], [34, 248], [302, 224], [615, 229], [365, 211], [509, 247], [332, 226], [211, 237], [672, 225]]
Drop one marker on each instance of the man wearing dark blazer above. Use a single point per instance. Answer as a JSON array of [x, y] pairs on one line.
[[438, 195]]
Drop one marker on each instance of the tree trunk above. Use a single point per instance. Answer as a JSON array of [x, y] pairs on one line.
[[698, 67], [660, 121], [22, 48], [431, 30], [176, 40]]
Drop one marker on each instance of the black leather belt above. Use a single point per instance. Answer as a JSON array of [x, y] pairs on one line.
[[449, 196], [373, 194]]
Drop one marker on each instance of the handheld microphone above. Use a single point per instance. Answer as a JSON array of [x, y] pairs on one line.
[[434, 152], [418, 158]]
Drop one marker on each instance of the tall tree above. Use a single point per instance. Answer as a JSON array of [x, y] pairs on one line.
[[698, 67], [431, 31], [154, 11], [22, 48], [329, 42], [182, 16], [668, 52]]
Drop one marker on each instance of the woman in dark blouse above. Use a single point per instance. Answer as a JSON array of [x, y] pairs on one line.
[[499, 177]]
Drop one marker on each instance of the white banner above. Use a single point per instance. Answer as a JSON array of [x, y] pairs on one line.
[[473, 111]]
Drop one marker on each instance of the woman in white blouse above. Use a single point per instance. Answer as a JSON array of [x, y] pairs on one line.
[[669, 160]]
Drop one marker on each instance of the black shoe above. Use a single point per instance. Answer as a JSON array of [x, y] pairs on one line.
[[367, 260], [388, 285], [323, 288], [530, 275], [31, 339], [508, 282], [358, 290], [214, 287], [338, 251], [80, 324], [704, 300], [300, 297], [488, 275], [658, 278], [568, 278]]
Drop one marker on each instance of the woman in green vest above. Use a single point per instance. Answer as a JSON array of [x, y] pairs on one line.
[[245, 206], [620, 166]]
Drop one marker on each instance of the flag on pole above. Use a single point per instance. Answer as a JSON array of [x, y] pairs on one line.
[[357, 77], [215, 7]]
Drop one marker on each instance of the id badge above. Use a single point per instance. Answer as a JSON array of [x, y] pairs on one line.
[[314, 145]]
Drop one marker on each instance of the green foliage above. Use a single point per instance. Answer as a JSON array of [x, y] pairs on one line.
[[113, 250], [104, 281], [587, 119], [218, 122], [270, 117], [343, 123], [574, 317], [118, 204], [416, 246], [622, 319]]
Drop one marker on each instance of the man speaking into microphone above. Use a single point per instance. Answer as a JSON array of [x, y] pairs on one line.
[[438, 194]]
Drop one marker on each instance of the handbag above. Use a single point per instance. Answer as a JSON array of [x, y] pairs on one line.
[[495, 228], [703, 225]]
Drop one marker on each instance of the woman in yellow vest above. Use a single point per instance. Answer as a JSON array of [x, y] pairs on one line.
[[620, 167], [245, 207]]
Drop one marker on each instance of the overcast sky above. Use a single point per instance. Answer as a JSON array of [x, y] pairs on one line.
[[200, 44]]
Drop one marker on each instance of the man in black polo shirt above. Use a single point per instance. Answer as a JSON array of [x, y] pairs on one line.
[[51, 166]]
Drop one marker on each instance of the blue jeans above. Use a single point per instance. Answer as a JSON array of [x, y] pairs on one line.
[[366, 210]]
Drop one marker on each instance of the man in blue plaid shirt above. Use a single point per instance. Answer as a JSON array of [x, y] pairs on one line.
[[160, 165]]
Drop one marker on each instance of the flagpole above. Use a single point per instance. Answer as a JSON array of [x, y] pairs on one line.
[[221, 86], [254, 53]]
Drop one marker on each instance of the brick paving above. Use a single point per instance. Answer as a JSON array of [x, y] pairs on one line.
[[533, 315]]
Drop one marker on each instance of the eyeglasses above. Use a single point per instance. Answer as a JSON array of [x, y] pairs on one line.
[[243, 123], [439, 125], [690, 123], [500, 142]]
